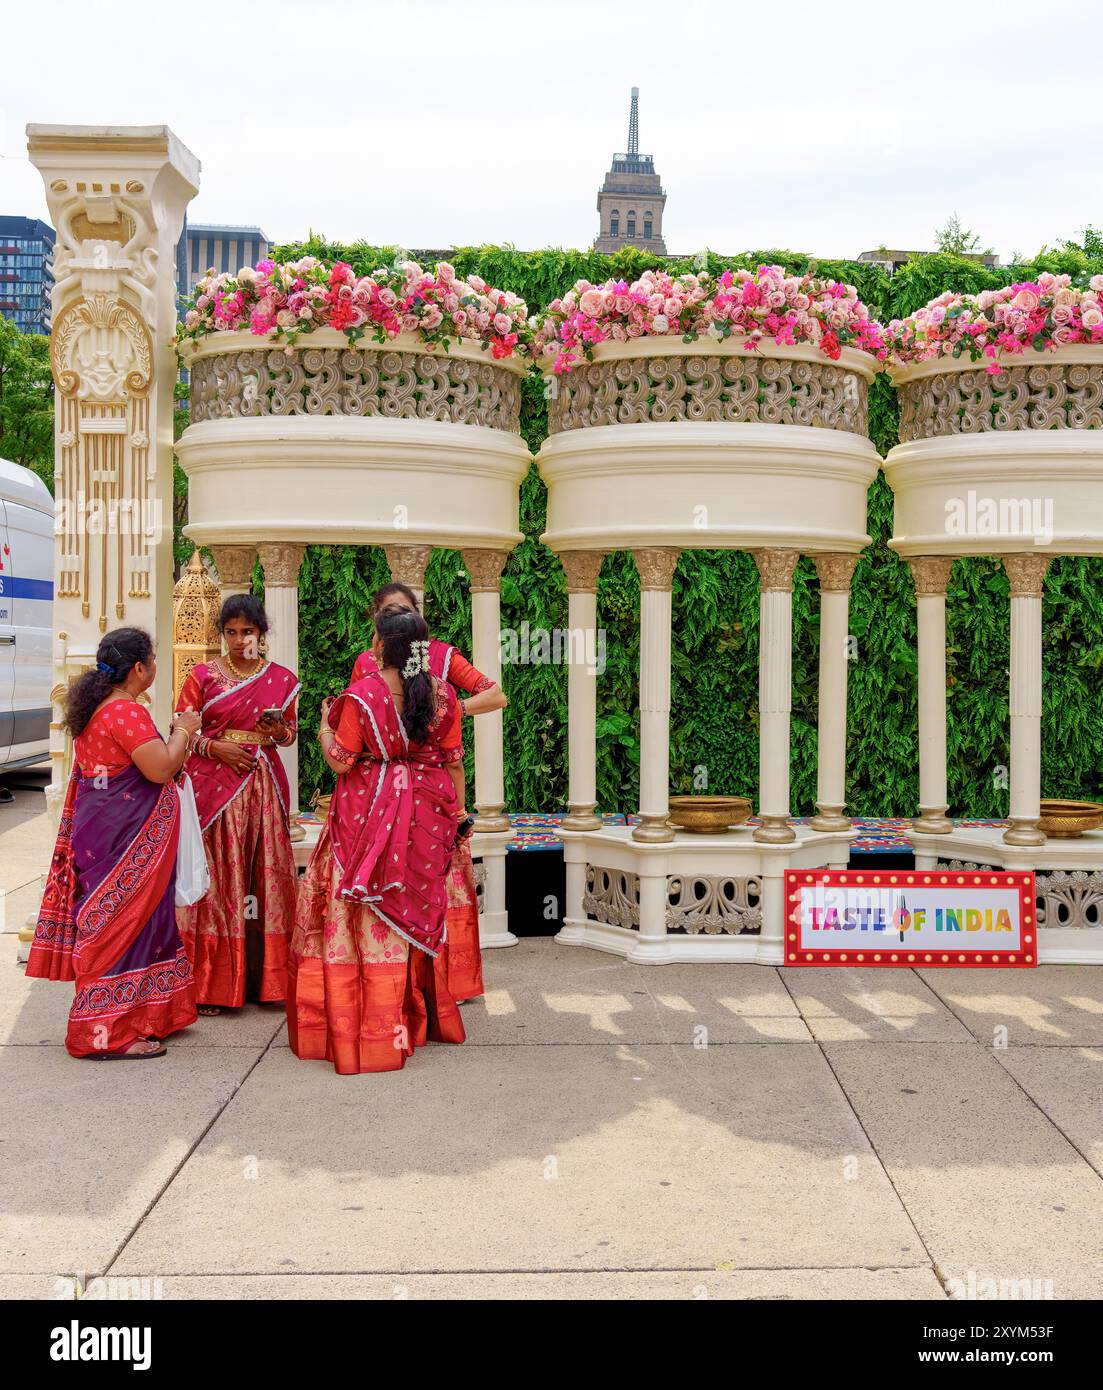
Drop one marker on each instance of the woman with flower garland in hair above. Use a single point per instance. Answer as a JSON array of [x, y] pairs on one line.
[[238, 934], [462, 959], [108, 917], [362, 991]]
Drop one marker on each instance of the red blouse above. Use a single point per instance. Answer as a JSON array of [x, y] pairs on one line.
[[111, 736]]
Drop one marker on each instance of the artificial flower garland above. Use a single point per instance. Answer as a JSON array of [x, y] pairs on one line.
[[284, 301], [1043, 314], [766, 304]]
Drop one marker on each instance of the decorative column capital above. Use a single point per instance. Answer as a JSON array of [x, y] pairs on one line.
[[234, 564], [931, 574], [485, 568], [775, 569], [582, 568], [281, 563], [656, 566], [408, 563], [835, 572], [1027, 574]]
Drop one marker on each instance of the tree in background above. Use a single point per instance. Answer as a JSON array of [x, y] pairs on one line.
[[956, 240], [26, 401]]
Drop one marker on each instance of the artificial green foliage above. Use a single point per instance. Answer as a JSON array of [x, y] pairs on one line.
[[714, 720]]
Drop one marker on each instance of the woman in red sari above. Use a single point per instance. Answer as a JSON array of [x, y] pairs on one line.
[[237, 936], [362, 991], [462, 961], [108, 917]]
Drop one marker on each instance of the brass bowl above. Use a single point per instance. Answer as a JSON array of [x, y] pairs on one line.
[[320, 805], [1066, 820], [708, 815]]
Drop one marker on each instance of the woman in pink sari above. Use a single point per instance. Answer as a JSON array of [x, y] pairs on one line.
[[462, 961], [372, 917], [237, 935], [108, 918]]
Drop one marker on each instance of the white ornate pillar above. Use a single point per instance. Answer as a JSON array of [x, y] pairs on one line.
[[408, 564], [281, 563], [582, 568], [835, 573], [932, 575], [234, 564], [656, 568], [775, 693], [1027, 574], [116, 196], [486, 567]]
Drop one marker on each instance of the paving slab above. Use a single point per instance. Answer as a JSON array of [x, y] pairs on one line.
[[619, 1285], [992, 1186], [842, 1005], [523, 1158], [1066, 1084], [541, 992], [88, 1146], [1054, 1005]]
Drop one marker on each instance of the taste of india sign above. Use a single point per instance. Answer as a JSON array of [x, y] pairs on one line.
[[896, 918]]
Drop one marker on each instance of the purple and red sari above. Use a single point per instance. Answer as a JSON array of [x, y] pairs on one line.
[[237, 936], [108, 916], [366, 978]]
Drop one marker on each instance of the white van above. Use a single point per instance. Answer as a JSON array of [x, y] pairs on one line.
[[26, 615]]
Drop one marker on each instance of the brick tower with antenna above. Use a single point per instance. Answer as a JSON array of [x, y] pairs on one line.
[[631, 200]]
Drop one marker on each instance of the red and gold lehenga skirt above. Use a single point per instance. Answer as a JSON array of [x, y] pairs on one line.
[[359, 994], [237, 936], [463, 957]]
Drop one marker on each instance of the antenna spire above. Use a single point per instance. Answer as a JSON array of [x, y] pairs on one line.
[[634, 123]]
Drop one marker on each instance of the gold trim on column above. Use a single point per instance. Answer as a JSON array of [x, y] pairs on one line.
[[656, 566], [582, 569], [835, 572], [408, 564], [653, 830], [582, 816], [932, 820], [280, 562], [775, 569], [931, 574], [1027, 574], [485, 568], [234, 564]]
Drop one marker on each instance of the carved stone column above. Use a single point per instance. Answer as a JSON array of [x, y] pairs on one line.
[[485, 567], [117, 197], [281, 563], [656, 567], [1027, 574], [408, 564], [582, 568], [235, 568], [835, 573], [932, 575], [775, 693]]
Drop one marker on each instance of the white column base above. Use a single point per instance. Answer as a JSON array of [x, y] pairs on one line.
[[494, 930], [986, 845], [736, 854]]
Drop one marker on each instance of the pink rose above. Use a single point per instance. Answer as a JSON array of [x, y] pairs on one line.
[[1091, 317], [591, 302]]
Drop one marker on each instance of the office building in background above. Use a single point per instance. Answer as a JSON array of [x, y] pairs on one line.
[[26, 272]]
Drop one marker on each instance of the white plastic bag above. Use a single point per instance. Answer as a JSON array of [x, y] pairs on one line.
[[193, 876]]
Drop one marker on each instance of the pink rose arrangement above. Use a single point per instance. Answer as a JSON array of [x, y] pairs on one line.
[[764, 304], [284, 301], [1042, 314]]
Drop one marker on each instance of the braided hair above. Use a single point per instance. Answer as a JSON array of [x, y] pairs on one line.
[[399, 630], [116, 656]]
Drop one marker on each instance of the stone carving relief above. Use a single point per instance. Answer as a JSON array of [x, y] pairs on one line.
[[763, 389], [612, 896], [353, 381], [1038, 397], [701, 903]]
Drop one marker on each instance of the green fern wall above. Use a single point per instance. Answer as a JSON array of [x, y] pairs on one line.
[[715, 646]]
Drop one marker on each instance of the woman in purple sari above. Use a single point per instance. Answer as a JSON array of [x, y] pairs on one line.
[[108, 917]]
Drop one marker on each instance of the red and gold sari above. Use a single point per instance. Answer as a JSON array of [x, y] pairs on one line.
[[108, 918], [366, 983], [463, 956], [237, 936]]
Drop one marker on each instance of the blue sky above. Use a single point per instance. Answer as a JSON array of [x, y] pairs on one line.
[[837, 128]]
